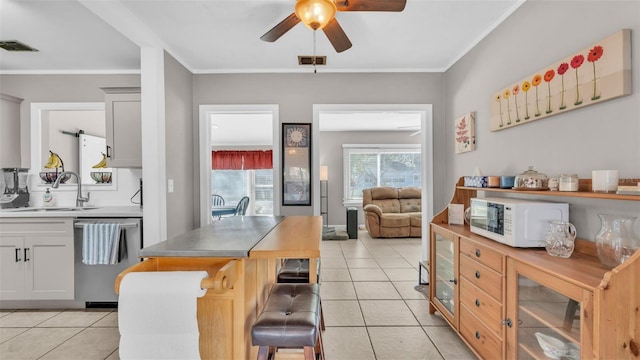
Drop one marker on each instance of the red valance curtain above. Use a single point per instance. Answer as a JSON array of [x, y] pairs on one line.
[[258, 160], [241, 160]]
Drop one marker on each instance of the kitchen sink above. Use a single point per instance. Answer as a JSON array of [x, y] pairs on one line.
[[47, 209]]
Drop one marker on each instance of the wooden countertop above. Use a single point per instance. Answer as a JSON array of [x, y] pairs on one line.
[[294, 237]]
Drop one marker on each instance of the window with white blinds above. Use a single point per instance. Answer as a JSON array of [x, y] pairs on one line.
[[367, 166]]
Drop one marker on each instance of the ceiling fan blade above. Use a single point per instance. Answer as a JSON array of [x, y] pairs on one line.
[[280, 29], [371, 5], [336, 36]]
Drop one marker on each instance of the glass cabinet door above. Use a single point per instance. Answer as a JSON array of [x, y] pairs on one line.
[[548, 322], [444, 280]]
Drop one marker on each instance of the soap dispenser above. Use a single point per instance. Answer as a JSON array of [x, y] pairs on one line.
[[47, 198]]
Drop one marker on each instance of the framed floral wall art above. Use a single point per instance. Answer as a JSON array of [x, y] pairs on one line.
[[594, 74], [465, 133]]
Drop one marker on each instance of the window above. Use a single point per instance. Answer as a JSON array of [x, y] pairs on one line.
[[256, 184], [367, 166]]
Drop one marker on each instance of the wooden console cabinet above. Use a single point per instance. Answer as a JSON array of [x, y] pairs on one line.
[[498, 297]]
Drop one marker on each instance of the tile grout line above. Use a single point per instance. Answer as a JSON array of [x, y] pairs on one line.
[[366, 328]]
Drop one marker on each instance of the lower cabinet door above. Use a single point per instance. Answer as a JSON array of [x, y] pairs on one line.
[[546, 316], [49, 268], [11, 268]]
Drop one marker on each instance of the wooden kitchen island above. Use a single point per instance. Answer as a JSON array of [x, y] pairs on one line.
[[241, 254]]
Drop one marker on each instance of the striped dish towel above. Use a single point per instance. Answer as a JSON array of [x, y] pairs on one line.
[[101, 244]]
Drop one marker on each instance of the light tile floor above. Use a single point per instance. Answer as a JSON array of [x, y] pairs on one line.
[[372, 311]]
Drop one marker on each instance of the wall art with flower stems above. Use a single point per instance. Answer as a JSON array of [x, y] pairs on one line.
[[465, 133], [594, 74]]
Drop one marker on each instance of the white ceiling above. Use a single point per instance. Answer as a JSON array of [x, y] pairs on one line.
[[251, 129], [222, 36]]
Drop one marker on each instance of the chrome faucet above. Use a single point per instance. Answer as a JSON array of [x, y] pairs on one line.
[[79, 199]]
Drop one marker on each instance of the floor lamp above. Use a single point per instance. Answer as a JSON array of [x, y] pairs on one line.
[[324, 198]]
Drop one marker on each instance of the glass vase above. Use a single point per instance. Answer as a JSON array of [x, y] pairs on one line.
[[616, 242]]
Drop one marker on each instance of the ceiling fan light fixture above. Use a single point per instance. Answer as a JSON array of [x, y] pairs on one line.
[[315, 14]]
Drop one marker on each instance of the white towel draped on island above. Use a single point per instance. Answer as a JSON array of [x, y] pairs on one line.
[[157, 315]]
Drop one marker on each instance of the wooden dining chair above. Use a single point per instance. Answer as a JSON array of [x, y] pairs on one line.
[[243, 204]]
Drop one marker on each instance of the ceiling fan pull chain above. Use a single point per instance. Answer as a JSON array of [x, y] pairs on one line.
[[315, 71]]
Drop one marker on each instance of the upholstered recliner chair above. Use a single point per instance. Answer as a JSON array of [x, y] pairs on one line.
[[393, 212]]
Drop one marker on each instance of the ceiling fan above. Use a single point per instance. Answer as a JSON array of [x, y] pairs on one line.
[[320, 14]]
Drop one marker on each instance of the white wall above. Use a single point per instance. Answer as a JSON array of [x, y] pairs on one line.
[[601, 136], [181, 149]]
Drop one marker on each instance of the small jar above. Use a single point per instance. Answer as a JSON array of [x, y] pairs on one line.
[[493, 181], [568, 182]]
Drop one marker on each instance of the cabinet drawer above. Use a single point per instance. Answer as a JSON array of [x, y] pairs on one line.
[[479, 336], [486, 308], [37, 226], [482, 276], [482, 254]]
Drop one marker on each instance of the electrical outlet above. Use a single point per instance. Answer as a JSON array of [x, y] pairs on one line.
[[170, 185]]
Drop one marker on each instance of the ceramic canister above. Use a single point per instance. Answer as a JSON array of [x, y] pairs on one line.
[[506, 182]]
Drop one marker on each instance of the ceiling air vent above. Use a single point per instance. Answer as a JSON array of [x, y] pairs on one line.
[[308, 60], [15, 45]]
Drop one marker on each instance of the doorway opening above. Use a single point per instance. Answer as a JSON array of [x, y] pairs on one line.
[[413, 123], [234, 140]]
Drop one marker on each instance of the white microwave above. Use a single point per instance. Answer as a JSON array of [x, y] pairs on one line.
[[515, 222]]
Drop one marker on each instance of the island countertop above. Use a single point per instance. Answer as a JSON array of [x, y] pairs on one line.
[[233, 236]]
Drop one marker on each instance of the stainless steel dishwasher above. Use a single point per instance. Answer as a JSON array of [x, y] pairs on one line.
[[95, 283]]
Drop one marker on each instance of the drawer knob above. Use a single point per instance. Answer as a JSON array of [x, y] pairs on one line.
[[477, 334], [477, 274], [477, 252], [477, 303]]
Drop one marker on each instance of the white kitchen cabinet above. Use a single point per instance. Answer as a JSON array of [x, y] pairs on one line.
[[124, 127], [9, 131], [36, 259]]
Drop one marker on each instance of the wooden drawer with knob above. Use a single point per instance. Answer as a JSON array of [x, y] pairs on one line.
[[482, 276], [482, 254], [479, 336], [486, 308]]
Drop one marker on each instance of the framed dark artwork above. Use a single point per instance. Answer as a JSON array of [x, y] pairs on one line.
[[296, 164]]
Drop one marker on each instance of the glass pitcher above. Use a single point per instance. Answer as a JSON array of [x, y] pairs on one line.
[[616, 241], [560, 239]]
